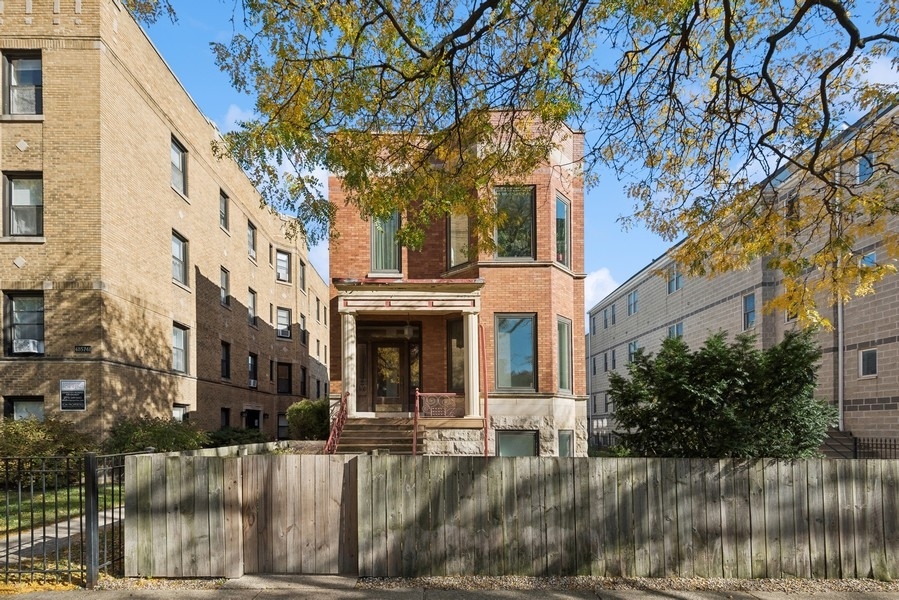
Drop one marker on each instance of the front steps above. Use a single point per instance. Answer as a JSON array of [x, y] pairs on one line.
[[387, 435]]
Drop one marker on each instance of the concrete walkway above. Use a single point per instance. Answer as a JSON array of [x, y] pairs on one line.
[[272, 587]]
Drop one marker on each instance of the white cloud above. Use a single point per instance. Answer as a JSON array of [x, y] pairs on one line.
[[597, 286], [235, 115]]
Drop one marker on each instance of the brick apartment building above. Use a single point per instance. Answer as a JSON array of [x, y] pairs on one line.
[[423, 319], [859, 369], [139, 275]]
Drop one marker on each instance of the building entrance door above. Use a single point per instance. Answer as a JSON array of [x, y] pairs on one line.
[[389, 364]]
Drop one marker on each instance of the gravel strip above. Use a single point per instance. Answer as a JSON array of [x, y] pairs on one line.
[[509, 582], [808, 586]]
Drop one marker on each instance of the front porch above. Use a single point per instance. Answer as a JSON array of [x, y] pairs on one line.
[[399, 337]]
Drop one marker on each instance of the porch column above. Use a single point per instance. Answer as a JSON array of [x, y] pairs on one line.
[[472, 377], [348, 371]]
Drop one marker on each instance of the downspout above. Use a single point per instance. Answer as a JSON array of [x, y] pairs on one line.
[[483, 351], [841, 360]]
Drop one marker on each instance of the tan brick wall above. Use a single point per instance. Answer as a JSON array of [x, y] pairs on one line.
[[111, 107]]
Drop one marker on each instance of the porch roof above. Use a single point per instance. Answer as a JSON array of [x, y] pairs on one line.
[[408, 295]]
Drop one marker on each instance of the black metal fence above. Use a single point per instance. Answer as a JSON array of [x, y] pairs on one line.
[[876, 448], [63, 518]]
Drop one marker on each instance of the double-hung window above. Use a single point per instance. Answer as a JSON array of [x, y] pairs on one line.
[[515, 230], [563, 231], [225, 287], [867, 362], [282, 265], [457, 238], [516, 352], [302, 276], [675, 280], [285, 378], [226, 360], [22, 84], [748, 311], [179, 258], [224, 209], [251, 240], [676, 330], [865, 168], [251, 307], [632, 305], [385, 250], [253, 369], [24, 323], [179, 348], [632, 349], [564, 362], [283, 324], [24, 199], [179, 167]]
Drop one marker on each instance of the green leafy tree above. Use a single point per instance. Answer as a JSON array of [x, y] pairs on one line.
[[309, 420], [415, 104], [724, 400]]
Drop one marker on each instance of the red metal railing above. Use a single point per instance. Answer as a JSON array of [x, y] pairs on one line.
[[415, 422], [337, 427]]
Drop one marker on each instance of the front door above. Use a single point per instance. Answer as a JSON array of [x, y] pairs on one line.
[[390, 386]]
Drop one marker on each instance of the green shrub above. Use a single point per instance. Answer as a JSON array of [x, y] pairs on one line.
[[234, 436], [309, 420], [164, 435], [51, 437]]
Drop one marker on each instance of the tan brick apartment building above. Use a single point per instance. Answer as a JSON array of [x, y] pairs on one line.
[[658, 302], [415, 319], [139, 274]]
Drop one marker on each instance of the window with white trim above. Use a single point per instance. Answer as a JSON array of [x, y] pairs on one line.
[[632, 349], [867, 362], [564, 354], [516, 351]]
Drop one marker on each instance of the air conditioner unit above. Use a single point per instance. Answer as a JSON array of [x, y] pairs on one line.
[[282, 276], [252, 253], [284, 333], [253, 383], [27, 346]]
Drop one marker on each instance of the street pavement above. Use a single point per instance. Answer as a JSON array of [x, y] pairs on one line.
[[273, 587]]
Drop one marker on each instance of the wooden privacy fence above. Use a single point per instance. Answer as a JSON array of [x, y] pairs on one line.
[[628, 517], [413, 516], [193, 516]]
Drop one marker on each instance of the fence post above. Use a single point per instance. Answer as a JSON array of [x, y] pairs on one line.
[[91, 521]]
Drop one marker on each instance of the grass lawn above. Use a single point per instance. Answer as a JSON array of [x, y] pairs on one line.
[[32, 512]]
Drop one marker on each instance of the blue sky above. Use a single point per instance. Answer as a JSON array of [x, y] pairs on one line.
[[611, 254]]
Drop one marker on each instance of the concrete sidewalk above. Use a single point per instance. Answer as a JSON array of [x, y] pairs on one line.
[[273, 587]]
